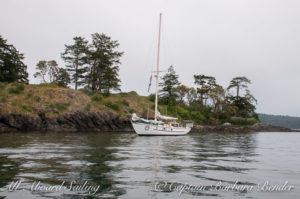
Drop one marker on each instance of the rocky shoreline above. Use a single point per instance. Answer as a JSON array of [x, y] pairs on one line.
[[258, 127], [104, 121], [71, 122]]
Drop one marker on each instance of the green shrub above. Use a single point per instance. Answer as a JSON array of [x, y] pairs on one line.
[[197, 117], [105, 94], [60, 106], [37, 99], [151, 97], [111, 105], [16, 89], [48, 85], [87, 107], [115, 107], [163, 100], [97, 97], [3, 85], [243, 122], [183, 113], [124, 102], [87, 92], [221, 115], [25, 107], [29, 94], [122, 94], [132, 110], [108, 103]]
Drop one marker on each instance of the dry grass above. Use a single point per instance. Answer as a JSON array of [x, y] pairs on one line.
[[54, 100], [34, 99]]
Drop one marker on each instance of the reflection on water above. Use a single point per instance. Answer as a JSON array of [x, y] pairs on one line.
[[129, 166]]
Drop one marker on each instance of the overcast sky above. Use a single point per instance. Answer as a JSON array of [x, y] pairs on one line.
[[259, 39]]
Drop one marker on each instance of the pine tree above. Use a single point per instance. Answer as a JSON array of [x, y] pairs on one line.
[[104, 62], [62, 78], [245, 103], [75, 56], [169, 82], [239, 83], [206, 83], [12, 68]]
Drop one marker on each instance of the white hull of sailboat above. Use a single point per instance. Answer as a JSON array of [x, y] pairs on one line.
[[150, 129]]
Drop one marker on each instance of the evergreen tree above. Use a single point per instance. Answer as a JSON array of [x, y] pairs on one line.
[[169, 82], [75, 56], [244, 103], [12, 68], [239, 83], [62, 78], [104, 62], [207, 83], [245, 107]]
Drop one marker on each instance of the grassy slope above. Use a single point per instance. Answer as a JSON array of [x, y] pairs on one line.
[[54, 101], [31, 99]]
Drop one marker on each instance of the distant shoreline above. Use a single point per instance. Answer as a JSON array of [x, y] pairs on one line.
[[259, 127], [291, 122]]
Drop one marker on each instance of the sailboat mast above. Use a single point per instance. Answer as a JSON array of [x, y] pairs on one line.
[[157, 68]]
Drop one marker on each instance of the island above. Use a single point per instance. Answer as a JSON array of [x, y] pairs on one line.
[[85, 94], [50, 108]]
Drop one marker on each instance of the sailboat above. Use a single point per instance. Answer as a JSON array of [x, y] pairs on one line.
[[161, 125]]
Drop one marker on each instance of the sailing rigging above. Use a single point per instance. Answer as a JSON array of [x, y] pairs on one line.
[[161, 125]]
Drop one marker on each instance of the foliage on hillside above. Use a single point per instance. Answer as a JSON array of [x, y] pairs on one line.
[[54, 100], [208, 102]]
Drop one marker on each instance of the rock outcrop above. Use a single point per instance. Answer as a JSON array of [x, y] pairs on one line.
[[77, 121]]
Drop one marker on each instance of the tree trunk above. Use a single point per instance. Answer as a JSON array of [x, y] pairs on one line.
[[93, 71], [201, 98], [76, 72], [76, 77]]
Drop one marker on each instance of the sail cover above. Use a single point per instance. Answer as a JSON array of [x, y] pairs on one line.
[[165, 117]]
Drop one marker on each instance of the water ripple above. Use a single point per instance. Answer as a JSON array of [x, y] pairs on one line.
[[129, 166]]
